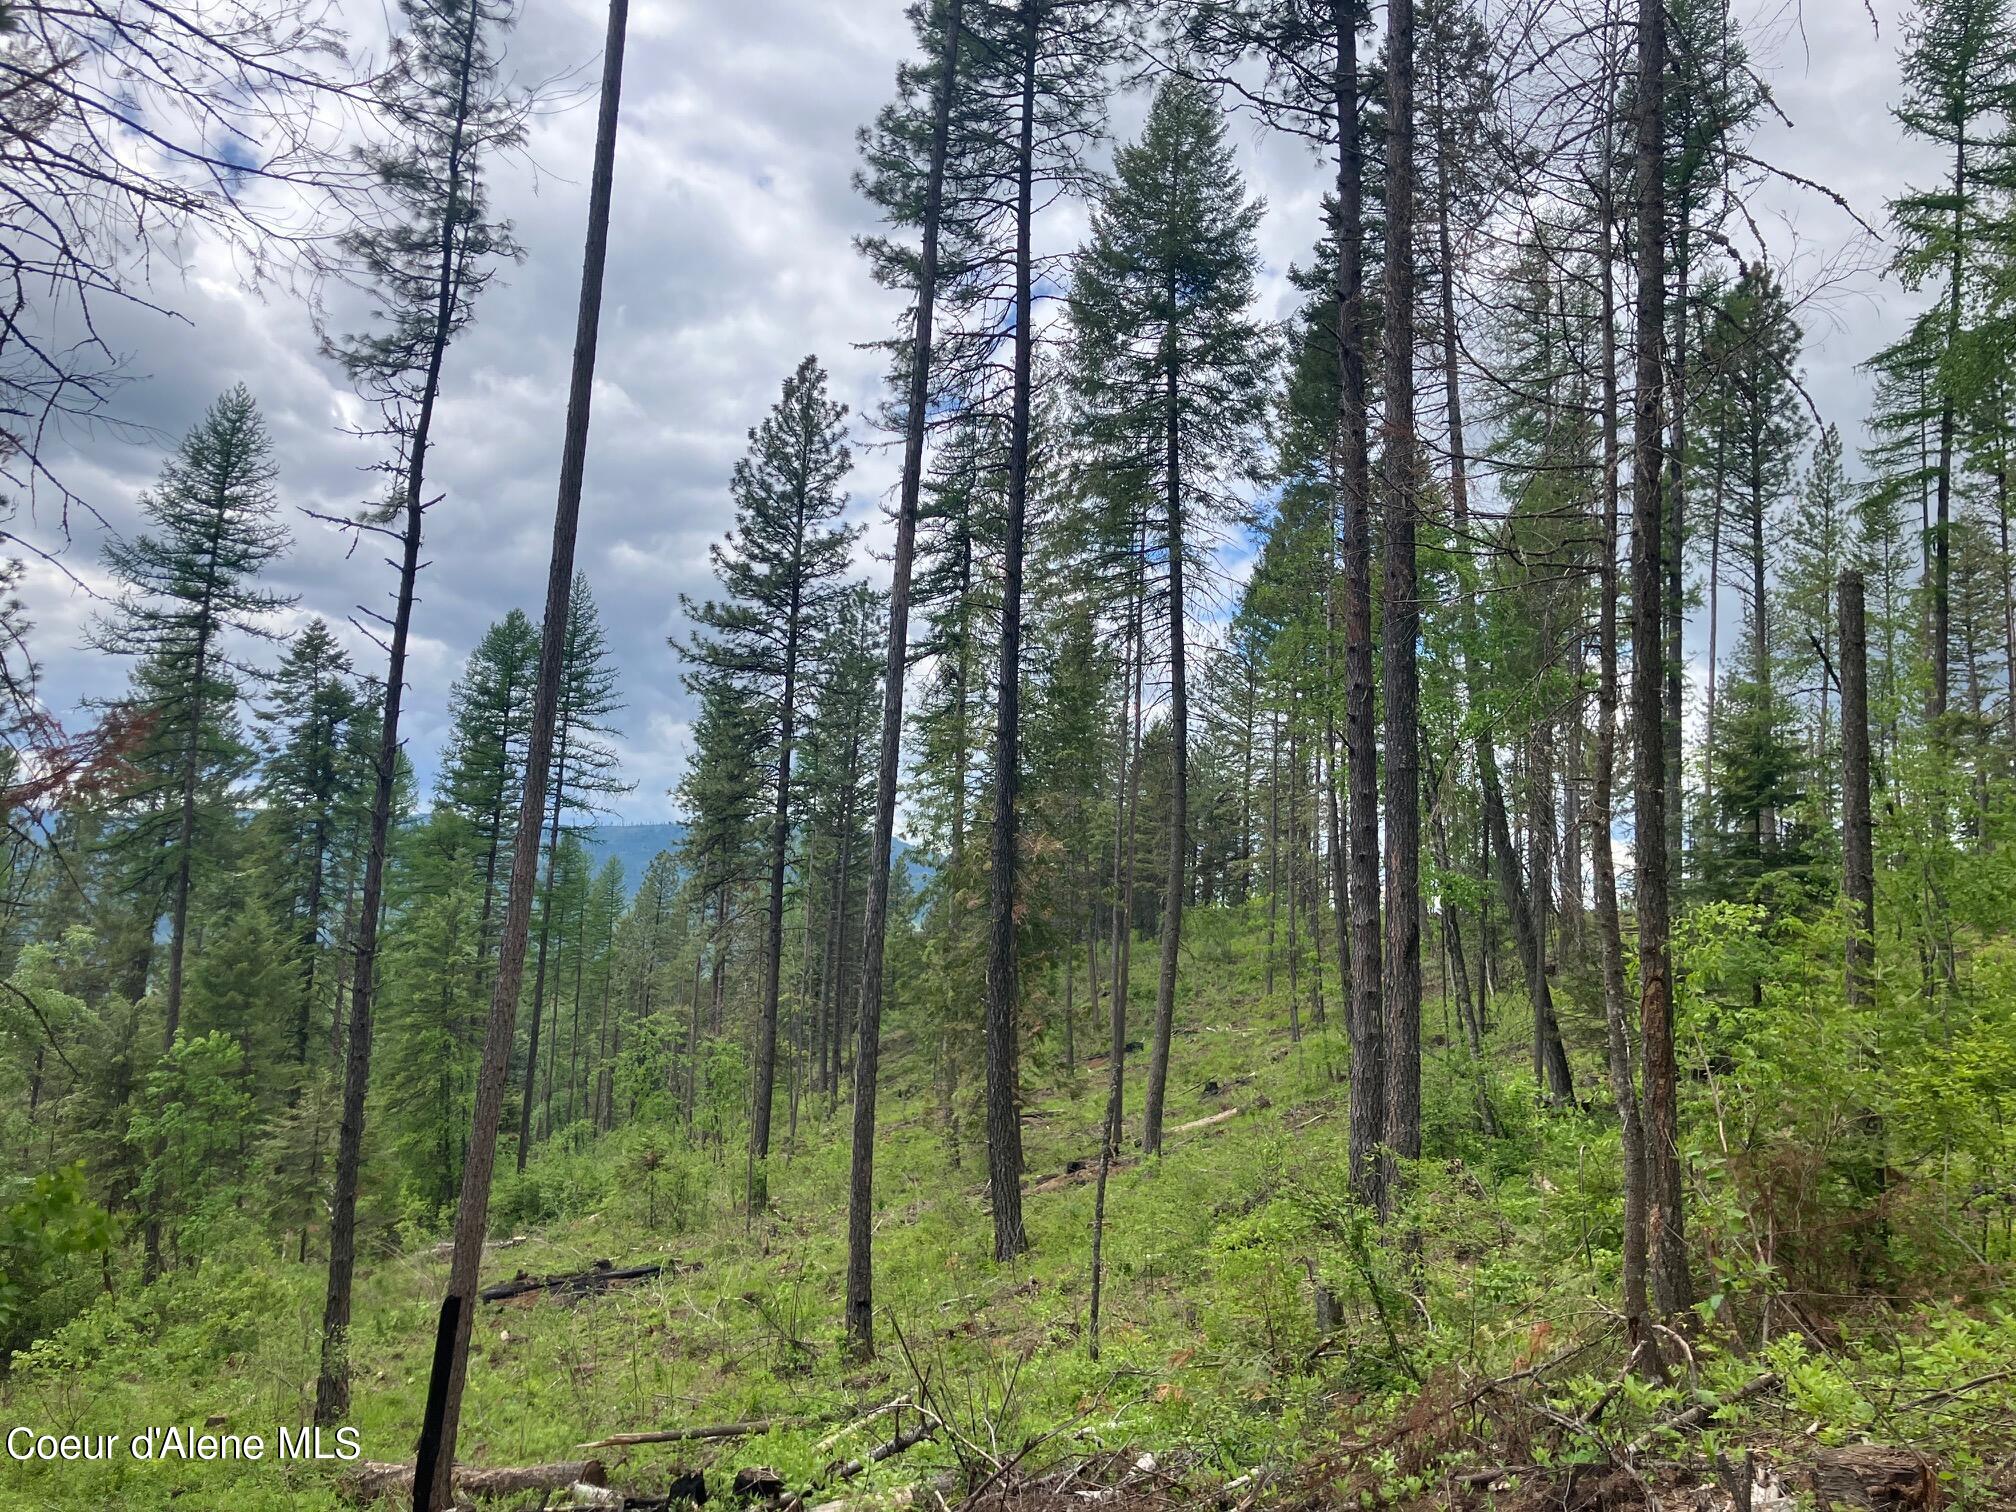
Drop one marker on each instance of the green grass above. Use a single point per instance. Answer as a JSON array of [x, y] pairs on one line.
[[1211, 1358]]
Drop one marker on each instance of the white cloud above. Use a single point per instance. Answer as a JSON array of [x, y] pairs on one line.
[[731, 257]]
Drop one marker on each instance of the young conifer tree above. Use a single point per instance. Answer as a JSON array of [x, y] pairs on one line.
[[585, 776], [1960, 88], [309, 786], [187, 585], [1172, 374], [781, 573]]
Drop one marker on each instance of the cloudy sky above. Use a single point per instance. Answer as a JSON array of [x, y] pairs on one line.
[[730, 259]]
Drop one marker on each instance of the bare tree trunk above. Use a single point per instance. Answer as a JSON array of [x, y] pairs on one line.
[[1858, 846], [332, 1383], [1004, 1093], [1401, 627], [436, 1459], [1274, 839], [1550, 1062], [1179, 765], [1123, 936], [1364, 1022], [1674, 605], [2008, 566], [1459, 971], [1942, 554], [1569, 893], [1602, 856], [763, 1085], [539, 971], [185, 842], [1666, 1224], [178, 934]]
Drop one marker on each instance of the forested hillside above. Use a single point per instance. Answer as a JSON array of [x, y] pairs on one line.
[[1383, 883]]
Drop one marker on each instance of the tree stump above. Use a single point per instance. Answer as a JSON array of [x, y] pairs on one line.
[[758, 1483], [1876, 1477]]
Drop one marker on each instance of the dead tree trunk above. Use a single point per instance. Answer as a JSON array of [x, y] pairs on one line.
[[434, 1471], [332, 1384]]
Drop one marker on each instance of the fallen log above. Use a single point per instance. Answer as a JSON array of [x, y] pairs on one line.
[[909, 1438], [1875, 1477], [889, 1501], [1205, 1123], [1700, 1412], [1077, 1173], [446, 1248], [374, 1479], [1086, 1170], [598, 1277], [711, 1431]]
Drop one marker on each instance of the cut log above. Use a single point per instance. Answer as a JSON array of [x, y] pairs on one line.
[[1205, 1123], [1086, 1169], [372, 1479], [711, 1431], [597, 1278], [1076, 1173], [1872, 1476]]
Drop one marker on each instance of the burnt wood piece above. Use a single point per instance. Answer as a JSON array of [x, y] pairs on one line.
[[598, 1277], [1876, 1477]]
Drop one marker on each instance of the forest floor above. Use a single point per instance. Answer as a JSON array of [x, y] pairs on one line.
[[1489, 1372]]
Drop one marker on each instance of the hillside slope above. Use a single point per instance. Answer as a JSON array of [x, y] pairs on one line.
[[1212, 1361]]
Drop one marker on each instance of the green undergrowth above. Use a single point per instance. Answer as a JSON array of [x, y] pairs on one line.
[[1212, 1358]]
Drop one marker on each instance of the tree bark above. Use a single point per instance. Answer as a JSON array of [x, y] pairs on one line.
[[1666, 1225], [1364, 1024], [1004, 1120], [539, 970], [332, 1383], [1402, 624], [1550, 1062], [764, 1083], [1858, 846], [1602, 856], [1123, 934], [433, 1488], [1179, 764]]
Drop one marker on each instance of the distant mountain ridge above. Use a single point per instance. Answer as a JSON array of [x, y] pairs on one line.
[[635, 846]]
